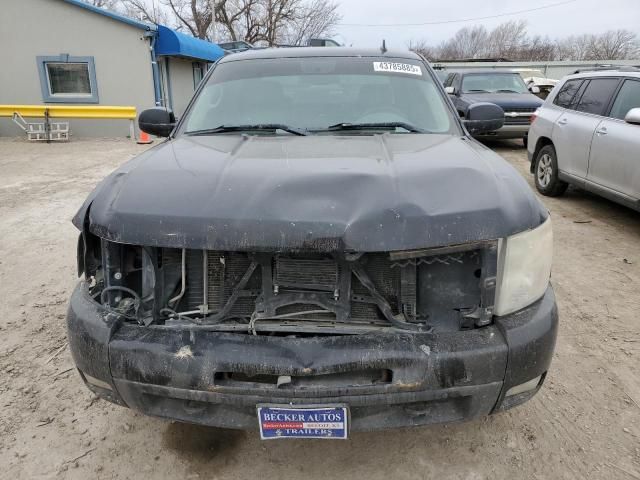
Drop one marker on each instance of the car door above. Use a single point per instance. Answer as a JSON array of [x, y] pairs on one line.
[[564, 103], [615, 151], [575, 128]]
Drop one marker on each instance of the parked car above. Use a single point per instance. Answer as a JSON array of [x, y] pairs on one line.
[[236, 46], [319, 246], [534, 77], [322, 42], [311, 42], [440, 72], [588, 134], [505, 89]]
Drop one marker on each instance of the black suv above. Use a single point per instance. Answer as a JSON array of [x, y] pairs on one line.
[[318, 246], [505, 89]]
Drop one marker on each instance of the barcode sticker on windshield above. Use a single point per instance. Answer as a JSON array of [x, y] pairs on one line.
[[397, 68]]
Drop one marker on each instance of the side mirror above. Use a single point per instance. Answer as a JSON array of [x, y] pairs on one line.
[[633, 116], [157, 121], [450, 90], [534, 89], [483, 117]]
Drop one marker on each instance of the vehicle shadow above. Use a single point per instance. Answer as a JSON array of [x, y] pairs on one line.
[[201, 443], [503, 144], [602, 208], [369, 455]]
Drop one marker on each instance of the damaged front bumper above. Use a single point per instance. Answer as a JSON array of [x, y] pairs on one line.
[[386, 379]]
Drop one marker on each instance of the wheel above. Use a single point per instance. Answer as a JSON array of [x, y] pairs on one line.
[[546, 173], [525, 141]]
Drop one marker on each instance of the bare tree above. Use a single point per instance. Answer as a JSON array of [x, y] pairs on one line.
[[314, 19], [507, 39], [421, 47], [575, 47], [108, 4], [195, 15], [538, 49], [268, 21], [278, 13], [614, 45], [468, 42], [611, 45], [145, 10], [246, 20], [511, 40], [233, 20]]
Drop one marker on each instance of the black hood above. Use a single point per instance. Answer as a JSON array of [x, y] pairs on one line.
[[505, 100], [330, 193]]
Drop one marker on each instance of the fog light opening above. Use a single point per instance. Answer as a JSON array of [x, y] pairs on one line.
[[524, 387], [96, 382]]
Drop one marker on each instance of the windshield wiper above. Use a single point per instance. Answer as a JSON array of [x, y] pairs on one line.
[[506, 90], [373, 126], [248, 128], [476, 91]]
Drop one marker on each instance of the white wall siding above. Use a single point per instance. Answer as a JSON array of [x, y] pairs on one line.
[[31, 28]]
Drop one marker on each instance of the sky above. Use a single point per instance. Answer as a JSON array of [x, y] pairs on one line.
[[577, 17]]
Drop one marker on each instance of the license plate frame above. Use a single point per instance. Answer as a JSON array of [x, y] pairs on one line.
[[328, 422]]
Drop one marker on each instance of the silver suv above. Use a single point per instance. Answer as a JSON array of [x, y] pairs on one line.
[[587, 134]]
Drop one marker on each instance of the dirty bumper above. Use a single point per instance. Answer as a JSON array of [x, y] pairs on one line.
[[386, 380]]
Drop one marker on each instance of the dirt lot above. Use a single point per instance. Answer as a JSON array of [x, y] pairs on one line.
[[585, 423]]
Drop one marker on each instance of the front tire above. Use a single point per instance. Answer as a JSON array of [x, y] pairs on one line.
[[546, 173]]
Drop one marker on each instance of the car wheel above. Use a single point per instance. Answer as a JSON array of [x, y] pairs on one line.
[[525, 141], [546, 173]]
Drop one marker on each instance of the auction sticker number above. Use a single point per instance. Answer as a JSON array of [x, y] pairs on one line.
[[397, 68]]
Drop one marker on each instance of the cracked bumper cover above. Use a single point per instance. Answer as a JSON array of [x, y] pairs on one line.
[[437, 378]]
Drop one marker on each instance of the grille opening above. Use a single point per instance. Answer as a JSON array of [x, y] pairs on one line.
[[356, 378], [311, 292]]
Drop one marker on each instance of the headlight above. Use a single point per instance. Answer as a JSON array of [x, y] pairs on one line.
[[524, 268]]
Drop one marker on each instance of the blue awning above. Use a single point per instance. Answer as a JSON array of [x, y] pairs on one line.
[[176, 44]]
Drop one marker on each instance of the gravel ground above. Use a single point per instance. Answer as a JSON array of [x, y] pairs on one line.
[[585, 422]]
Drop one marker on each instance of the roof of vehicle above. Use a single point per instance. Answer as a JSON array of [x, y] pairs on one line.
[[484, 71], [299, 52], [598, 68], [474, 60], [606, 73]]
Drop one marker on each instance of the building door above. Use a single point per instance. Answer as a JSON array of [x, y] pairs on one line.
[[198, 73], [165, 82]]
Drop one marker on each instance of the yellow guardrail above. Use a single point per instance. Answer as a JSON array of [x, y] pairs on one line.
[[70, 111]]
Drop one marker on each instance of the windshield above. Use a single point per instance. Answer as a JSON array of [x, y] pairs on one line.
[[314, 94], [494, 83]]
